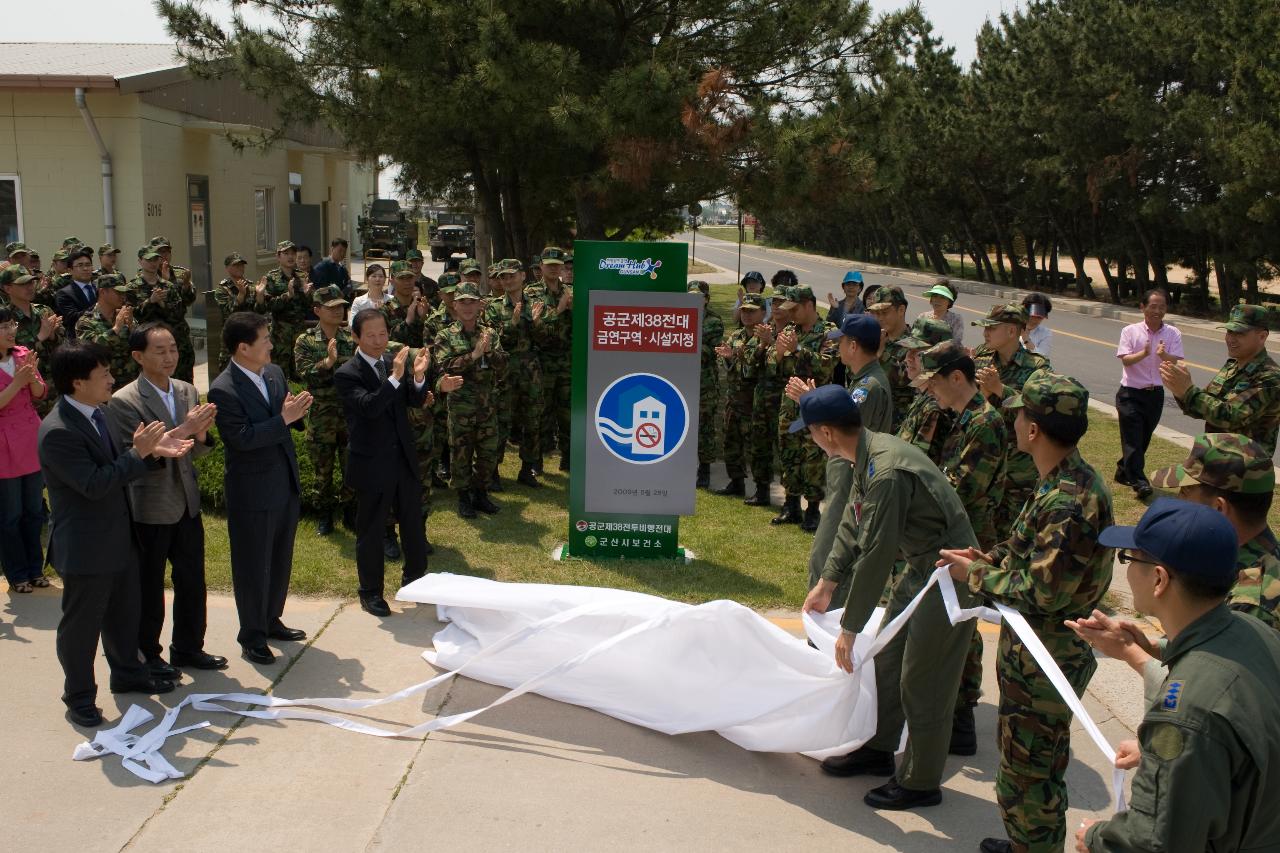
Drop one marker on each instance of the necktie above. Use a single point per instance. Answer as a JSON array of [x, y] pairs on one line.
[[100, 421], [90, 293], [381, 368]]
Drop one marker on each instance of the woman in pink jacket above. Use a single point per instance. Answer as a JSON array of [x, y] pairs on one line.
[[21, 485]]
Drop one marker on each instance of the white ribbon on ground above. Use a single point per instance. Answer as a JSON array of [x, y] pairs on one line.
[[668, 666]]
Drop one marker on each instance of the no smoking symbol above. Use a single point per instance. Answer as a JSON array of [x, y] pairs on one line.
[[648, 435]]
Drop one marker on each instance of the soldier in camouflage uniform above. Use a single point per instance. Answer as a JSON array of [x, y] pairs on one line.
[[288, 302], [1235, 476], [317, 353], [109, 323], [108, 256], [436, 321], [803, 351], [473, 351], [1051, 568], [520, 404], [739, 389], [758, 358], [926, 424], [889, 306], [709, 389], [1245, 395], [1003, 366], [165, 299], [39, 328], [16, 254], [235, 293], [555, 348], [53, 280]]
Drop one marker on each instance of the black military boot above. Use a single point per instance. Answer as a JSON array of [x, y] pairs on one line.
[[480, 500], [964, 735], [704, 476], [495, 482], [526, 477], [735, 488], [761, 497], [465, 508], [863, 761], [812, 515], [325, 525], [790, 511]]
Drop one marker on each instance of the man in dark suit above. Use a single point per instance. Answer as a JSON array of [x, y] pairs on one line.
[[166, 503], [91, 542], [74, 299], [382, 457], [260, 481]]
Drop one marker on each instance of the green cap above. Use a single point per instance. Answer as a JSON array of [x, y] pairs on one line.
[[799, 293], [781, 293], [942, 288], [413, 255], [234, 258], [328, 296], [61, 255], [16, 248], [552, 255], [68, 242], [15, 274], [509, 266], [158, 243], [79, 252], [1010, 312], [925, 332], [700, 286], [148, 253], [1223, 460], [449, 282], [401, 269], [753, 300], [1050, 394], [886, 296], [468, 265], [937, 358], [108, 249], [285, 246], [466, 290], [1243, 318], [114, 281]]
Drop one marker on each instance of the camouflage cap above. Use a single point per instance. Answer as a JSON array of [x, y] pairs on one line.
[[158, 243], [413, 255], [114, 281], [1244, 318], [799, 293], [234, 258], [1010, 312], [1047, 394], [68, 242], [15, 274], [60, 255], [552, 255], [938, 358], [466, 290], [448, 282], [1223, 460], [493, 270], [108, 249], [16, 248], [148, 253], [79, 252], [469, 265], [509, 266], [401, 269], [285, 246], [535, 262], [568, 259], [781, 293], [697, 285], [328, 296], [752, 301], [925, 332], [885, 296]]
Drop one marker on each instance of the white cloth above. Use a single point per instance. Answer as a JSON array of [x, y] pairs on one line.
[[6, 364], [364, 301]]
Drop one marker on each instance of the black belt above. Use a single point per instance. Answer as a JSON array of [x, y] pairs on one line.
[[1144, 388]]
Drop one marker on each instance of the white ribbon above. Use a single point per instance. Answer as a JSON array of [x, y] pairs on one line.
[[141, 754]]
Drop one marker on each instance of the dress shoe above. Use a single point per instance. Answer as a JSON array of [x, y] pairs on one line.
[[526, 477], [996, 845], [480, 500], [790, 512], [761, 497], [894, 797], [375, 606], [1122, 478], [495, 483], [283, 632], [390, 547], [704, 477], [864, 761], [466, 509], [812, 517], [735, 488], [964, 736], [158, 669], [89, 716], [1143, 491], [197, 660], [258, 654], [325, 525], [143, 685]]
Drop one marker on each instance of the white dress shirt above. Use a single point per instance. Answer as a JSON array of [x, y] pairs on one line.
[[257, 380], [167, 396]]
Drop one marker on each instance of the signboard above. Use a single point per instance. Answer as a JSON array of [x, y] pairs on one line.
[[636, 372], [197, 224]]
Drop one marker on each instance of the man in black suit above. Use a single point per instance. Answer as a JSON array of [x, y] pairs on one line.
[[91, 542], [72, 300], [260, 481], [382, 458]]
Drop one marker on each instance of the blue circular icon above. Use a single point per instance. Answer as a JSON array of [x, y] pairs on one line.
[[642, 418]]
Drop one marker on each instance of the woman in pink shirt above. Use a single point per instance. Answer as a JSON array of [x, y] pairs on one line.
[[21, 485]]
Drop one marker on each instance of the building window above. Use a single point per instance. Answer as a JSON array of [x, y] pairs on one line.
[[264, 216], [10, 208], [295, 188]]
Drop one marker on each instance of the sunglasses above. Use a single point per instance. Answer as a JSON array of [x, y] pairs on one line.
[[1126, 557]]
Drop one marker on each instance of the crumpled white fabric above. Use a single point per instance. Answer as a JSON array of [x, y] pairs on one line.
[[668, 666]]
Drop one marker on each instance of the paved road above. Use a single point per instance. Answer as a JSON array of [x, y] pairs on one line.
[[1083, 346]]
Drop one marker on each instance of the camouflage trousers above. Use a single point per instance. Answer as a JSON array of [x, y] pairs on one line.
[[327, 447], [283, 337], [473, 440], [737, 430], [423, 424], [764, 432], [803, 464], [1034, 735], [708, 419], [520, 410], [557, 383], [971, 675], [186, 369]]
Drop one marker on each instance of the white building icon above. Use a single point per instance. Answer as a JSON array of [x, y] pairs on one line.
[[648, 427]]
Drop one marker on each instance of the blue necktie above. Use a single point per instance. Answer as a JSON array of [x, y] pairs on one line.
[[100, 421]]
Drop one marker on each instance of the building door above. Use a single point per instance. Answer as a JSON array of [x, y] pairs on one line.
[[198, 235]]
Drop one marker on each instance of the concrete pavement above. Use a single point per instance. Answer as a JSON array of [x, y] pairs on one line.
[[533, 774]]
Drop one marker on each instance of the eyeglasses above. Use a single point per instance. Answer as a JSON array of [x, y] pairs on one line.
[[9, 327], [1126, 557]]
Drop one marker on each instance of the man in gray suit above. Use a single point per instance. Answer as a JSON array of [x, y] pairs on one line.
[[255, 413], [91, 540], [166, 502]]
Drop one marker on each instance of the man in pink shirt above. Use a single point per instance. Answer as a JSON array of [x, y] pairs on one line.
[[1141, 396]]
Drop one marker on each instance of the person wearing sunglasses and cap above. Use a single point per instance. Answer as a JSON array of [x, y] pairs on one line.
[[1207, 756]]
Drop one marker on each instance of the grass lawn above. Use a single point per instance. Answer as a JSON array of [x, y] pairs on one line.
[[730, 233]]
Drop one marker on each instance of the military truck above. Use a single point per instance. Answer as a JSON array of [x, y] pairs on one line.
[[452, 233], [386, 231]]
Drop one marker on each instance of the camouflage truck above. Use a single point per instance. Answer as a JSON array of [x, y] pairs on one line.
[[386, 231], [453, 233]]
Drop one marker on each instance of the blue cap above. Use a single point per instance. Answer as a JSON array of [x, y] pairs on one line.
[[826, 404], [852, 275], [1190, 538], [863, 328]]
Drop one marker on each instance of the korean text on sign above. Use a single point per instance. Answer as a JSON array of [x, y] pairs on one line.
[[641, 329]]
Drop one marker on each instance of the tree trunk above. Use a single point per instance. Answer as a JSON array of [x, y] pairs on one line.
[[1113, 283], [590, 221]]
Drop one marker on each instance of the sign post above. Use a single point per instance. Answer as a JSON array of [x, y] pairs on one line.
[[637, 342]]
